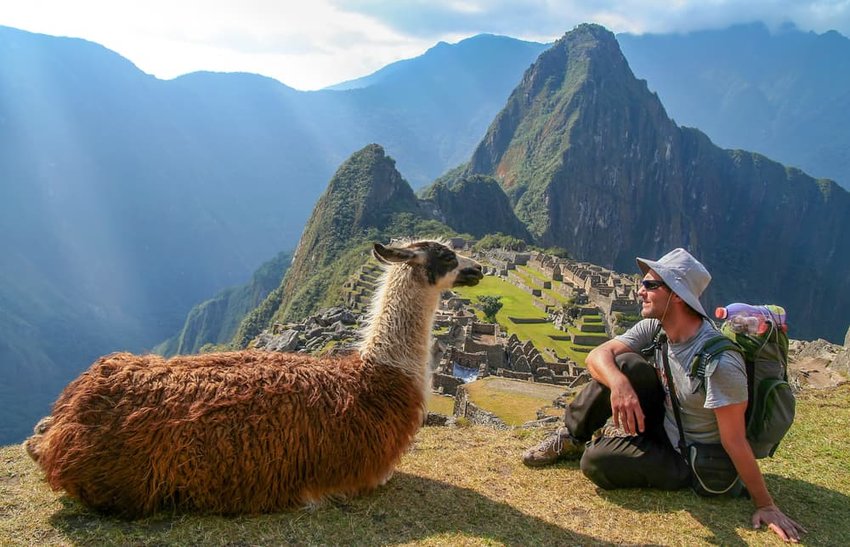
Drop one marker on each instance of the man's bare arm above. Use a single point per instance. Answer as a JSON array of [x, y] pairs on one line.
[[625, 406], [730, 422]]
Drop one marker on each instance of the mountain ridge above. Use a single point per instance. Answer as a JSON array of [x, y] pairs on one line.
[[783, 93]]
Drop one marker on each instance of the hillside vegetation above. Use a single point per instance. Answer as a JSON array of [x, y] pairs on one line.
[[466, 486]]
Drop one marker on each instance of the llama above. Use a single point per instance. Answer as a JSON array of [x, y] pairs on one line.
[[253, 431]]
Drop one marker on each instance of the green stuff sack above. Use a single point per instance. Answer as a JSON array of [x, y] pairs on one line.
[[770, 400]]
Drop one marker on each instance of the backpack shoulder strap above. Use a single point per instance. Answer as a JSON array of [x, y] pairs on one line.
[[658, 339], [713, 347]]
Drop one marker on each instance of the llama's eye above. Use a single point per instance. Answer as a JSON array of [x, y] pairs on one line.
[[449, 259]]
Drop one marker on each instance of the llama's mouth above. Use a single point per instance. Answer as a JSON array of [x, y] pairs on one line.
[[468, 277]]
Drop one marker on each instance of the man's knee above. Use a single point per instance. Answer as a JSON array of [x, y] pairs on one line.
[[632, 462], [597, 464], [637, 369]]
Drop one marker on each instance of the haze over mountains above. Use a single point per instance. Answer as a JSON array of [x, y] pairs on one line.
[[784, 94], [125, 199]]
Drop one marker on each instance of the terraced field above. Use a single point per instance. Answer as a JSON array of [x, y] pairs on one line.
[[518, 304]]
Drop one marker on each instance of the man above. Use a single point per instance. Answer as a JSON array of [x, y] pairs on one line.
[[631, 391]]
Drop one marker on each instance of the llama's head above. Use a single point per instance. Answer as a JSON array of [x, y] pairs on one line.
[[432, 262]]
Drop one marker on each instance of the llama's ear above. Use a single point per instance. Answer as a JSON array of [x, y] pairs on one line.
[[389, 255]]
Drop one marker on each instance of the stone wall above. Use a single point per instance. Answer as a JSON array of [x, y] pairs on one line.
[[587, 340], [527, 320], [484, 328], [464, 408], [466, 358], [445, 384], [514, 374], [495, 353]]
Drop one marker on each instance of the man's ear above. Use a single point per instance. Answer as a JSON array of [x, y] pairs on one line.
[[390, 255]]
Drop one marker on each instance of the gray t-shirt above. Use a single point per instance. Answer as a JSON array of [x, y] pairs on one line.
[[725, 382]]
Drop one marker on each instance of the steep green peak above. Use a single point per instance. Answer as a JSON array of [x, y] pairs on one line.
[[365, 198], [366, 187], [578, 83], [475, 204], [583, 52]]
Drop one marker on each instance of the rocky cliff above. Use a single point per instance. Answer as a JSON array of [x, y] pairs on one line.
[[474, 205]]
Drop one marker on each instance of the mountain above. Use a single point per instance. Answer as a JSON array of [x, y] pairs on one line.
[[216, 320], [431, 111], [474, 205], [366, 200], [126, 200], [593, 164], [469, 64], [785, 94]]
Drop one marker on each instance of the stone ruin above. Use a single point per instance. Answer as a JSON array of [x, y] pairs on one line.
[[312, 335], [525, 362]]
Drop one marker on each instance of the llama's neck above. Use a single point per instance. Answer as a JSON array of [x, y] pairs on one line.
[[399, 329]]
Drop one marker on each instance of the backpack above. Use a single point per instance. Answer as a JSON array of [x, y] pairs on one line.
[[770, 400]]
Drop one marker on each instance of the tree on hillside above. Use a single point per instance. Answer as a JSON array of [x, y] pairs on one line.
[[492, 241], [490, 305], [559, 252]]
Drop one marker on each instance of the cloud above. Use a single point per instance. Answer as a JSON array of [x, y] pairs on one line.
[[311, 44], [546, 19], [305, 44]]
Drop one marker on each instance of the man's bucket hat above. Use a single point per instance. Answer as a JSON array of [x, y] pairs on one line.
[[682, 273]]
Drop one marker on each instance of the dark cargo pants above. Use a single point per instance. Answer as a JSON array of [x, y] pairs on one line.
[[646, 460]]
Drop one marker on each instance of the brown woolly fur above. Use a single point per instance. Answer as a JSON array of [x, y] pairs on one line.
[[239, 432], [252, 431]]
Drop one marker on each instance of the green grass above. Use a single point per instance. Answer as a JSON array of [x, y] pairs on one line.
[[513, 401], [526, 278], [467, 486], [517, 303], [533, 273], [574, 353], [441, 404], [535, 277]]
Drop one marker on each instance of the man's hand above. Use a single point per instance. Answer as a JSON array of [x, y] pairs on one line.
[[776, 520], [625, 408]]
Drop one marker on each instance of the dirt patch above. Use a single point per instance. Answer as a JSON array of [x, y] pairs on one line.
[[531, 389], [484, 339], [10, 480]]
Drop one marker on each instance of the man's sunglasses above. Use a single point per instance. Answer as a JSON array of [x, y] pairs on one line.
[[652, 284]]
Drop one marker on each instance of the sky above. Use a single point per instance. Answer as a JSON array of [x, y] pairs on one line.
[[310, 44]]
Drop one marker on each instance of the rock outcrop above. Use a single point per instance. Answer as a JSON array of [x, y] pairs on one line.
[[818, 364]]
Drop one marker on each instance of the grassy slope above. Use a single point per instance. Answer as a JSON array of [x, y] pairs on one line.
[[467, 486], [514, 401], [517, 303], [441, 404]]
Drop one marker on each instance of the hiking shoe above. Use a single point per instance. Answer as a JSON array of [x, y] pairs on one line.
[[558, 445]]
